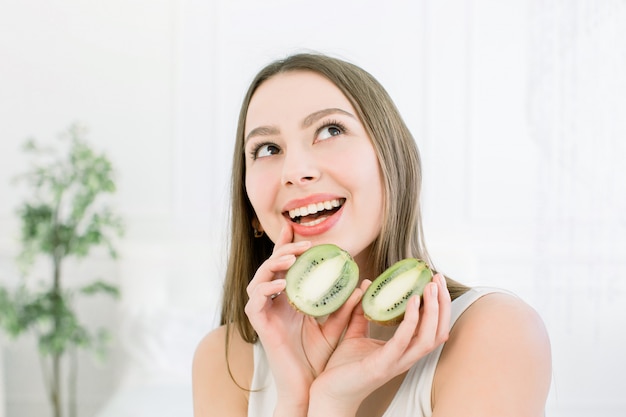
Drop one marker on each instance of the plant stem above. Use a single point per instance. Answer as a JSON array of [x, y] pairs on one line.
[[71, 383], [46, 375], [57, 306], [56, 385], [56, 355]]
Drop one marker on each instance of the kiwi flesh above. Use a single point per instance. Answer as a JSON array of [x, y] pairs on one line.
[[321, 280], [386, 298]]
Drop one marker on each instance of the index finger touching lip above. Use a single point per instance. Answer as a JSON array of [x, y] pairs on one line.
[[286, 236]]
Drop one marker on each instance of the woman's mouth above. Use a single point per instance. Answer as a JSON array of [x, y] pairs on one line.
[[315, 213]]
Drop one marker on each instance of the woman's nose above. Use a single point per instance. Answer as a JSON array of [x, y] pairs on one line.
[[300, 167]]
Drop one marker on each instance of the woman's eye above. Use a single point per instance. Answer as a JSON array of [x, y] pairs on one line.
[[265, 149], [329, 131]]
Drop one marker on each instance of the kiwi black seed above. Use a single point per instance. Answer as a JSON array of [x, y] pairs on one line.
[[321, 280], [386, 299]]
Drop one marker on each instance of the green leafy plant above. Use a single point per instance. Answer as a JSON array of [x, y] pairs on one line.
[[62, 217]]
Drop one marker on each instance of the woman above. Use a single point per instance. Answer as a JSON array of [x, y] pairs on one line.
[[322, 156]]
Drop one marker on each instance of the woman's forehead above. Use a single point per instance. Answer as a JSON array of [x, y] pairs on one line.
[[293, 94]]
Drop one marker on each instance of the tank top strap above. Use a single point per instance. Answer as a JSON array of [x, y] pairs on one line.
[[262, 399]]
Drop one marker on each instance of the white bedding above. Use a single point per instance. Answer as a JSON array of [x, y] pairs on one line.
[[169, 302], [156, 380], [150, 400]]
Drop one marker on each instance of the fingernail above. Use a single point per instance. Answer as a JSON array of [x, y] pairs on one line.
[[279, 282], [303, 243], [442, 281], [286, 258], [433, 289]]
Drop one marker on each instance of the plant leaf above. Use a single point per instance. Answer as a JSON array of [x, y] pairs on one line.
[[101, 287]]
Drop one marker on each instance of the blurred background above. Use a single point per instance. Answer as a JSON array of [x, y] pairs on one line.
[[518, 107]]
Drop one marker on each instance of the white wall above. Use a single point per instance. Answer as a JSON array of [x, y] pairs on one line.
[[517, 108]]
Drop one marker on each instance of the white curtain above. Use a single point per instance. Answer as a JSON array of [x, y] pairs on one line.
[[577, 117]]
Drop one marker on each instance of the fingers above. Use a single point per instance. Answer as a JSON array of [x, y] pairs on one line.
[[365, 285], [352, 312], [284, 244], [268, 270], [396, 347], [267, 281], [445, 309], [283, 256], [264, 285], [262, 295], [423, 330], [286, 236], [434, 323], [358, 325], [429, 324]]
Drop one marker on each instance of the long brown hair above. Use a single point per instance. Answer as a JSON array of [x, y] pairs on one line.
[[401, 233]]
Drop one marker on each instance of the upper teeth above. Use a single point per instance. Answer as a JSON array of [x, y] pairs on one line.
[[314, 208]]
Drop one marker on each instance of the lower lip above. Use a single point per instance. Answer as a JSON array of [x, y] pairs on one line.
[[320, 228]]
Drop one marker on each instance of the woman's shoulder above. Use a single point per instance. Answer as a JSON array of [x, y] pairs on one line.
[[501, 312], [222, 373], [228, 357], [215, 340], [501, 344]]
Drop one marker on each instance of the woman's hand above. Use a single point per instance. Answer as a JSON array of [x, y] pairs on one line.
[[296, 345], [360, 364]]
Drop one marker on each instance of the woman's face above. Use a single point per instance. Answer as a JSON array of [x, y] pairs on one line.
[[311, 164]]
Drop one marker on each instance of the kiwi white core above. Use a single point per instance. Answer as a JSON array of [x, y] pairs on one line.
[[401, 284], [321, 278]]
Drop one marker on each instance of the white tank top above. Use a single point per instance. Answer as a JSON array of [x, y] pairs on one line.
[[413, 396]]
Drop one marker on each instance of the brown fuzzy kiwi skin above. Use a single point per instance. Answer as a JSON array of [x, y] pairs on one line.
[[392, 322], [295, 307]]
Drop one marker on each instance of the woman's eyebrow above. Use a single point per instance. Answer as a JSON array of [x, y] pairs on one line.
[[262, 131], [314, 117], [307, 122]]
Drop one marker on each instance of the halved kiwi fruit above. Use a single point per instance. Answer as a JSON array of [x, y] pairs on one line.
[[386, 299], [321, 280]]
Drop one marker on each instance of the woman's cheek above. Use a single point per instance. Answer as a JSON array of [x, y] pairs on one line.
[[261, 192]]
